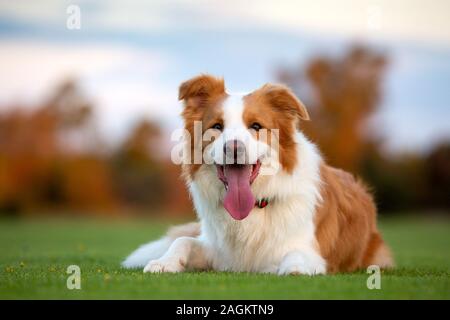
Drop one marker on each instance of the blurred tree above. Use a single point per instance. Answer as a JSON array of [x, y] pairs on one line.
[[138, 172], [51, 158], [36, 169], [398, 181], [142, 145], [345, 92], [438, 176]]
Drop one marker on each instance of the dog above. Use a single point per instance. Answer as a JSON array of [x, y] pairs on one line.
[[299, 216]]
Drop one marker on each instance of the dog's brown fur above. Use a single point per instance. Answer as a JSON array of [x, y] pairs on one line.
[[202, 96], [346, 229], [275, 107]]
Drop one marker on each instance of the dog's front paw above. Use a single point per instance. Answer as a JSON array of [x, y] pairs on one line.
[[295, 264], [301, 269], [164, 265]]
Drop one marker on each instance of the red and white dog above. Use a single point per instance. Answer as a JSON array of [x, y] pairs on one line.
[[263, 206]]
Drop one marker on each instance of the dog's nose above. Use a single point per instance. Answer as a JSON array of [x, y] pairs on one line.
[[234, 150]]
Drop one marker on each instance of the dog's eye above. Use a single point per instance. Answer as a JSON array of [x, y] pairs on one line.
[[217, 126], [256, 126]]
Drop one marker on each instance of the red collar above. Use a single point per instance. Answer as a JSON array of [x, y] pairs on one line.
[[261, 203]]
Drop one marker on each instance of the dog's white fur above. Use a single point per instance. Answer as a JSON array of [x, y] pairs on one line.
[[279, 238]]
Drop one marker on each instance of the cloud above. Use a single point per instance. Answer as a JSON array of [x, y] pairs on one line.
[[415, 20], [30, 68], [123, 82], [43, 11], [412, 20]]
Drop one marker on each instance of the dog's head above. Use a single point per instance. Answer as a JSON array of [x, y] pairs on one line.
[[240, 137]]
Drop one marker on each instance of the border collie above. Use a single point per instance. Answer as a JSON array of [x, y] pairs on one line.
[[265, 199]]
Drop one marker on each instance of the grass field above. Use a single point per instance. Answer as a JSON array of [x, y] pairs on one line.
[[34, 256]]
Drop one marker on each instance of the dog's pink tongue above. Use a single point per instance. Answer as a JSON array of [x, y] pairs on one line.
[[239, 200]]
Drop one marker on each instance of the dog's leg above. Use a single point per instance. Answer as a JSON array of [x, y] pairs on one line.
[[184, 253], [302, 262], [156, 249], [147, 252]]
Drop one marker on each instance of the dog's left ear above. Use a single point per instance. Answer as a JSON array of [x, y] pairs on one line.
[[204, 86], [283, 99]]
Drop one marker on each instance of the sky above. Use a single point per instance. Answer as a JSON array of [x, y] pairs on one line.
[[130, 56]]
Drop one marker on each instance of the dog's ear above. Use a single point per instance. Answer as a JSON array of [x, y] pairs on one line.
[[283, 99], [203, 86]]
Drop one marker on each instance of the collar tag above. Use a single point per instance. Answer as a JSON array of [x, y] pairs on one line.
[[261, 203]]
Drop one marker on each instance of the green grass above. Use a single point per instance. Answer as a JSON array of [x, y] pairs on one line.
[[34, 256]]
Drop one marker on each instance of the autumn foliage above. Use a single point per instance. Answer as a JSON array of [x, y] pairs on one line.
[[52, 158]]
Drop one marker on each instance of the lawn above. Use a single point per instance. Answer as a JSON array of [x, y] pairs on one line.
[[34, 256]]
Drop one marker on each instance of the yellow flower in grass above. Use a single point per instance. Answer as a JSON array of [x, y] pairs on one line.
[[9, 269]]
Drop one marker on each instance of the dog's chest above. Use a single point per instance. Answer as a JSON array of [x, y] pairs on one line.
[[249, 246], [256, 244]]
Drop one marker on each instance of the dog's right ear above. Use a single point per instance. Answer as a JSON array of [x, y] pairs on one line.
[[203, 86]]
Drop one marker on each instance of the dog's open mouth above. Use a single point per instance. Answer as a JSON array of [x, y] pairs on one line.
[[237, 178]]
